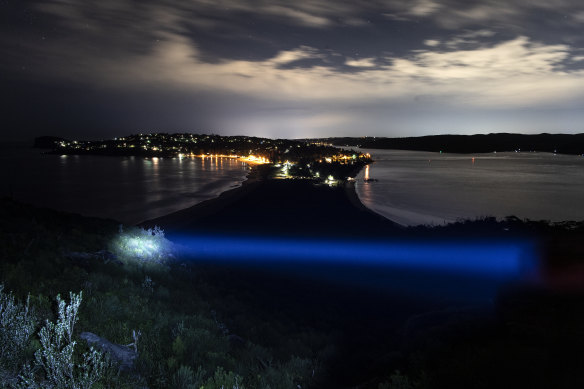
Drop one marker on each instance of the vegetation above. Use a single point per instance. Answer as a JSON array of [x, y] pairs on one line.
[[203, 326], [551, 143], [187, 339], [141, 246], [55, 364], [16, 327]]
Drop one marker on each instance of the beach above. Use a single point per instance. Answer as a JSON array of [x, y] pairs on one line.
[[280, 207]]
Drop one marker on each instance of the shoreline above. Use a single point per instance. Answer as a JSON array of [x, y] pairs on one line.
[[353, 196], [290, 207], [209, 206], [351, 193]]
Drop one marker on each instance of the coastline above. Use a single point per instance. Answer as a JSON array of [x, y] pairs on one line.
[[207, 207], [289, 207], [367, 321], [351, 193]]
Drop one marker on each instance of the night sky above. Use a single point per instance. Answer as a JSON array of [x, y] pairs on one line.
[[97, 69]]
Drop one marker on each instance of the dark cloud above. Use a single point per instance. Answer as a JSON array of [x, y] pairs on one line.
[[279, 67]]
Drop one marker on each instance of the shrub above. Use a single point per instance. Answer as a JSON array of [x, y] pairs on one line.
[[16, 328], [185, 378], [55, 365], [56, 353], [223, 380], [140, 245]]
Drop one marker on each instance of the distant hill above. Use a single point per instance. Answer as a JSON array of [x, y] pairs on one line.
[[552, 143]]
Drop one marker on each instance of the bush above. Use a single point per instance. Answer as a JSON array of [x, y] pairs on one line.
[[55, 356], [185, 378], [16, 328], [143, 246], [223, 380], [55, 364]]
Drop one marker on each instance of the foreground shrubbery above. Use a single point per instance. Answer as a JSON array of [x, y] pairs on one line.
[[184, 340], [204, 326], [56, 363], [17, 325]]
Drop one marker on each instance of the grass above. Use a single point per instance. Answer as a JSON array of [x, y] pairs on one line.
[[207, 326], [145, 289]]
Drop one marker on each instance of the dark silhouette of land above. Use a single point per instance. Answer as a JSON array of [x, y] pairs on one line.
[[550, 143], [285, 207], [172, 145]]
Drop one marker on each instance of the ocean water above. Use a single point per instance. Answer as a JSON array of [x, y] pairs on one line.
[[127, 189], [431, 188]]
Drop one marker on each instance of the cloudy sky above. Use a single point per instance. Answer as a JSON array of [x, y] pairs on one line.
[[279, 68]]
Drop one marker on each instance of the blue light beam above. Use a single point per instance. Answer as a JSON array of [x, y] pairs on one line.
[[495, 259]]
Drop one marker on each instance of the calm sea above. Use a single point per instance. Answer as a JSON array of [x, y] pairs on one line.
[[128, 189], [431, 188]]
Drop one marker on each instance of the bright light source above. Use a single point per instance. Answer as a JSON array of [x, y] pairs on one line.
[[143, 245]]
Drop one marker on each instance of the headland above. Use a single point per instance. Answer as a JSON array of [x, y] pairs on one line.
[[268, 205]]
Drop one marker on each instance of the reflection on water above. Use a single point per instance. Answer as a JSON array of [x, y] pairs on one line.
[[433, 188], [129, 189]]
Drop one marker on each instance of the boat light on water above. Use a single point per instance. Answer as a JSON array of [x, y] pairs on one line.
[[503, 259]]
